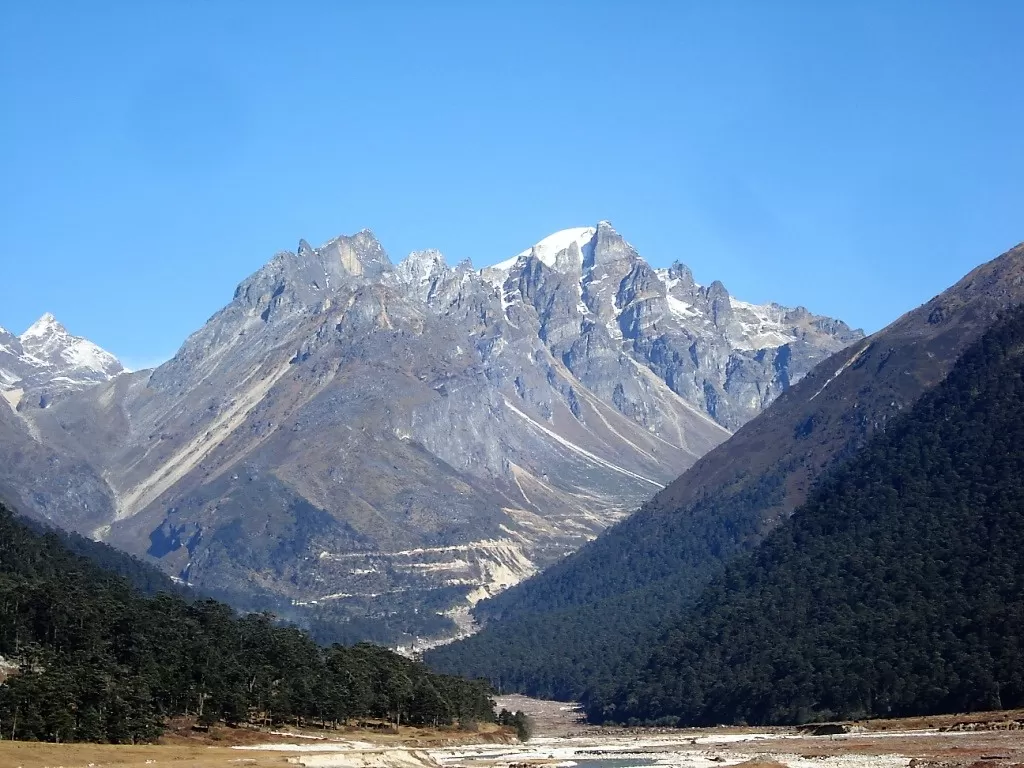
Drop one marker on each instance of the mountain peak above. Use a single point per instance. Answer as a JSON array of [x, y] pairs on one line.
[[567, 386], [548, 249], [47, 359], [428, 255], [359, 254], [421, 265], [47, 325], [420, 270]]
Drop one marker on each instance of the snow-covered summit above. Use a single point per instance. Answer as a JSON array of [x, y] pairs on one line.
[[45, 326], [547, 250], [420, 266], [49, 342], [48, 358]]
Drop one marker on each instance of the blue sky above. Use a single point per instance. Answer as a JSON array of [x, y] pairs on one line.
[[856, 158]]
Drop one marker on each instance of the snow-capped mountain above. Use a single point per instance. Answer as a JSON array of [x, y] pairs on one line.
[[727, 357], [548, 249], [46, 360], [370, 438]]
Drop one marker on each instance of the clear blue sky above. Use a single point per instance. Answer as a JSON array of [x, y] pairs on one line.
[[852, 157]]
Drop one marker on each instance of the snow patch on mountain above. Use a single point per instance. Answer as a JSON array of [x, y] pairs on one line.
[[547, 250], [761, 326], [43, 328], [680, 308]]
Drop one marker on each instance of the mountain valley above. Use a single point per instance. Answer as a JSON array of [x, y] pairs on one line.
[[583, 625], [351, 441]]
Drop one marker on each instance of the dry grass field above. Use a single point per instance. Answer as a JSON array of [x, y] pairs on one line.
[[181, 747], [935, 742], [21, 754]]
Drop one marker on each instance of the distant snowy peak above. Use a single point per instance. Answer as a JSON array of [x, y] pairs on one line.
[[46, 326], [47, 357], [763, 326], [548, 249], [613, 286], [420, 266], [48, 341]]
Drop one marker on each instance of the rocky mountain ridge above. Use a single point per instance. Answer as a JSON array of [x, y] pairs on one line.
[[358, 437]]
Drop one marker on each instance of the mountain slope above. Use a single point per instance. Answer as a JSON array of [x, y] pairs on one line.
[[49, 483], [363, 438], [897, 589], [620, 591], [43, 365]]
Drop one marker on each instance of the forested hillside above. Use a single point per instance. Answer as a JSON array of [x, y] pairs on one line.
[[897, 589], [101, 662], [553, 647], [146, 578], [577, 625]]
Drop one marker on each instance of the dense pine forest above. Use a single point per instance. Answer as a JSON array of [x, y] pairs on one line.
[[91, 658], [146, 578], [897, 589]]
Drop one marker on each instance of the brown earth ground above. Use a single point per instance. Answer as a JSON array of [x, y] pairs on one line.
[[23, 754], [182, 747], [958, 746], [989, 748]]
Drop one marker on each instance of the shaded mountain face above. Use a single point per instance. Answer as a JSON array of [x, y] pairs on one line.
[[49, 484], [357, 437], [620, 591], [929, 517], [42, 365]]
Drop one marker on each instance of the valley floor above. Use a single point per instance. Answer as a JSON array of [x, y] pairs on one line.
[[981, 740]]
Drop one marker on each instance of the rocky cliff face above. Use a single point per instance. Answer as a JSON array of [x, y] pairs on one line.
[[359, 437], [597, 300]]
